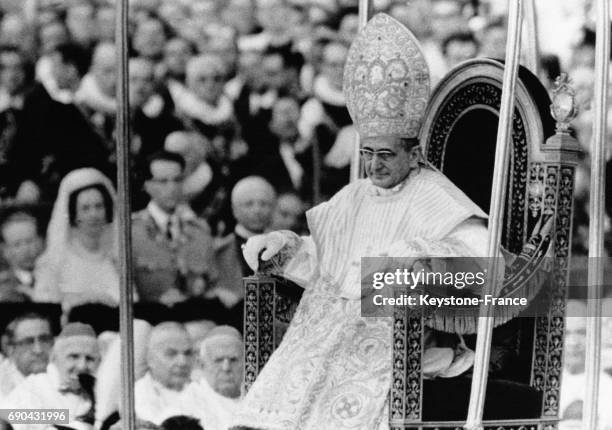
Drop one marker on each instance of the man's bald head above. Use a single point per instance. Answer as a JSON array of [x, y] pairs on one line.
[[170, 355], [253, 200], [75, 352], [221, 354]]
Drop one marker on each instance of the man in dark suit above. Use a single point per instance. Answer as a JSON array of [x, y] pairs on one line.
[[56, 136], [173, 248], [21, 245], [253, 202]]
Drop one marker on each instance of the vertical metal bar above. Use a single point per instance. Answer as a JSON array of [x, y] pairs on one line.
[[496, 214], [596, 211], [126, 319], [365, 9], [532, 45]]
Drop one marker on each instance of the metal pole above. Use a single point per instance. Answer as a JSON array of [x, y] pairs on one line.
[[532, 45], [596, 211], [126, 298], [496, 214], [365, 9]]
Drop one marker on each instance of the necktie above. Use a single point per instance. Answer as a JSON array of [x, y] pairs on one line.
[[169, 229]]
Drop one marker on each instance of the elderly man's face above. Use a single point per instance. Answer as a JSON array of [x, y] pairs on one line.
[[149, 39], [254, 211], [31, 346], [76, 355], [171, 359], [21, 244], [390, 164], [207, 83], [222, 365]]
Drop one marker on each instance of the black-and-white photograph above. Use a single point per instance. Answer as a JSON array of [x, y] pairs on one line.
[[305, 215]]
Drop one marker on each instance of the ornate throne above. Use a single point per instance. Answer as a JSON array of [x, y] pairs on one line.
[[458, 137]]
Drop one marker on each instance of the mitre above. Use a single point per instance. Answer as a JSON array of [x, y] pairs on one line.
[[386, 80]]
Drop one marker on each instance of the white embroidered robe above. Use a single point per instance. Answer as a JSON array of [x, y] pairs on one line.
[[332, 371]]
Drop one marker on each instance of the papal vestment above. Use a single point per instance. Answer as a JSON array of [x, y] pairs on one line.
[[333, 368]]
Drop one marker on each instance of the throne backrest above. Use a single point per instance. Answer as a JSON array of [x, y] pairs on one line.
[[459, 136]]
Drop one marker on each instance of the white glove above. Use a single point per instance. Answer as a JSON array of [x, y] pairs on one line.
[[271, 242]]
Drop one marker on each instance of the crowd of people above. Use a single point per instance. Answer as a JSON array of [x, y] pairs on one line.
[[238, 125]]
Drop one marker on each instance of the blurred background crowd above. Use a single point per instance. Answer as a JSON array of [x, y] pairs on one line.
[[238, 126]]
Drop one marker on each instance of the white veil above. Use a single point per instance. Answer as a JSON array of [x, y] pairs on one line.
[[59, 231]]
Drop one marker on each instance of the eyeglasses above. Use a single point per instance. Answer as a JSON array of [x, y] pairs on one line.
[[383, 154], [29, 342]]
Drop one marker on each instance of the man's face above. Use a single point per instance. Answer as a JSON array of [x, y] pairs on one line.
[[80, 22], [207, 82], [272, 72], [105, 23], [240, 15], [289, 209], [392, 165], [165, 185], [51, 36], [285, 118], [176, 55], [334, 57], [31, 346], [12, 74], [149, 39], [65, 74], [105, 72], [575, 341], [141, 82], [22, 245], [222, 365], [74, 356], [254, 211], [171, 359]]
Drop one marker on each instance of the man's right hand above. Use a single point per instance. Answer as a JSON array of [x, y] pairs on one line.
[[270, 244]]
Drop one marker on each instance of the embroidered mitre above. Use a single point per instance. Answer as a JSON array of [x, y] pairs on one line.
[[386, 80]]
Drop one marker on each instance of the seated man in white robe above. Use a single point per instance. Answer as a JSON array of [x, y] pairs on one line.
[[332, 370], [28, 345], [217, 395], [67, 383], [160, 393]]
